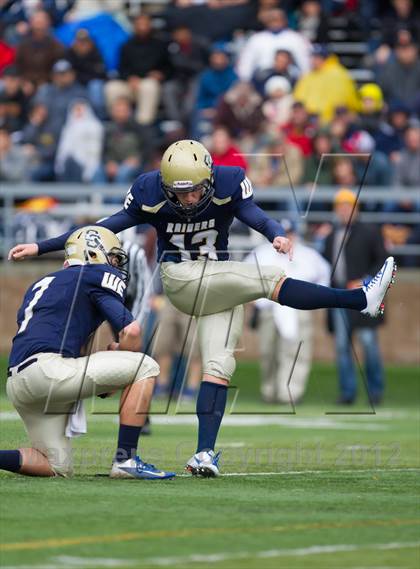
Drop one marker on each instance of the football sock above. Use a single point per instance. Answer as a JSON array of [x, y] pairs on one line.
[[128, 438], [211, 403], [309, 296], [10, 460]]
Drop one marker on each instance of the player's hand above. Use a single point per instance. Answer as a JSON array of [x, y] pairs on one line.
[[283, 245], [20, 252], [113, 346]]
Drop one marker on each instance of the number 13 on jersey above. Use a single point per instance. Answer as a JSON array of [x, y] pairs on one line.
[[204, 241]]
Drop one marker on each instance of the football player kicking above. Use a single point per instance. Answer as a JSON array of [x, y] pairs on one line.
[[192, 205], [47, 374]]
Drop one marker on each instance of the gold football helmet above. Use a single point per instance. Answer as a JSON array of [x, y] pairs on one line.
[[94, 244], [187, 166]]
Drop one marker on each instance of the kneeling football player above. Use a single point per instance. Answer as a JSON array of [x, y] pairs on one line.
[[47, 374]]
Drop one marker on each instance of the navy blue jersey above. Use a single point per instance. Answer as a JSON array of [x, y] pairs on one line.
[[205, 235], [60, 311]]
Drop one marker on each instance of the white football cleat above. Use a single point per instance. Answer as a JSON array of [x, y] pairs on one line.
[[204, 463], [376, 288], [136, 468]]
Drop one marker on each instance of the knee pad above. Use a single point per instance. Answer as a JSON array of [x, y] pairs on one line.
[[148, 368], [220, 365]]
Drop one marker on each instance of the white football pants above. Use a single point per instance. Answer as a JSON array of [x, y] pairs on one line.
[[214, 292], [44, 394]]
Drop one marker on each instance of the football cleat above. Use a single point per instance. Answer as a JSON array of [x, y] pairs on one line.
[[204, 463], [376, 288], [136, 468]]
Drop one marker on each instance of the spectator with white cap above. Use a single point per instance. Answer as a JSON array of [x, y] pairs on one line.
[[277, 108]]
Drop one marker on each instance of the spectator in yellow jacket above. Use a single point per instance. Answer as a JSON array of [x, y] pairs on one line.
[[328, 86]]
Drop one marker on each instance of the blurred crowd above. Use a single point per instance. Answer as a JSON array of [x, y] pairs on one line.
[[92, 91]]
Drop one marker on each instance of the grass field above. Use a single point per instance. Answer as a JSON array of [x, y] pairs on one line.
[[315, 489]]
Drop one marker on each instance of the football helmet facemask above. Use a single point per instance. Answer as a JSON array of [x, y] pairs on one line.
[[94, 244], [187, 166]]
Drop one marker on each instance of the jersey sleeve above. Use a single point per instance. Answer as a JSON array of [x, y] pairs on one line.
[[247, 211], [112, 310], [129, 216], [107, 292]]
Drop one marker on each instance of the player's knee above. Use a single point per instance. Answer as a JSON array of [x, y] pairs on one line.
[[220, 365], [61, 462], [148, 368], [272, 278]]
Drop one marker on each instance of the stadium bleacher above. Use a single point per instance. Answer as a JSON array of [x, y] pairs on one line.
[[35, 134]]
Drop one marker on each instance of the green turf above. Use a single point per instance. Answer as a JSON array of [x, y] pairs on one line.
[[344, 482]]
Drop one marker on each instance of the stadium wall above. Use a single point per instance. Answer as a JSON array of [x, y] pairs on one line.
[[400, 335]]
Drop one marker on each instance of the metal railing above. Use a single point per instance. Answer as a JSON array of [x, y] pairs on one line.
[[97, 201]]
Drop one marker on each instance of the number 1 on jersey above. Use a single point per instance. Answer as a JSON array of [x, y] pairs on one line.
[[40, 287]]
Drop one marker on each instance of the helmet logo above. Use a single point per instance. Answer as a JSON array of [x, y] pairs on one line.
[[182, 184], [208, 161], [93, 239]]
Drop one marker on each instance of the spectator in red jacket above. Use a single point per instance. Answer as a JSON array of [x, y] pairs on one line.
[[298, 130], [223, 150], [7, 55]]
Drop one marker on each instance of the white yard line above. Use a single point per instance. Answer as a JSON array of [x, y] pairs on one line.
[[381, 567], [69, 562], [83, 562], [42, 566], [247, 421], [9, 416], [272, 553], [293, 421]]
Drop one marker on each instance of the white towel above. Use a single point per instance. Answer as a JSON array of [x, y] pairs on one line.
[[76, 422]]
